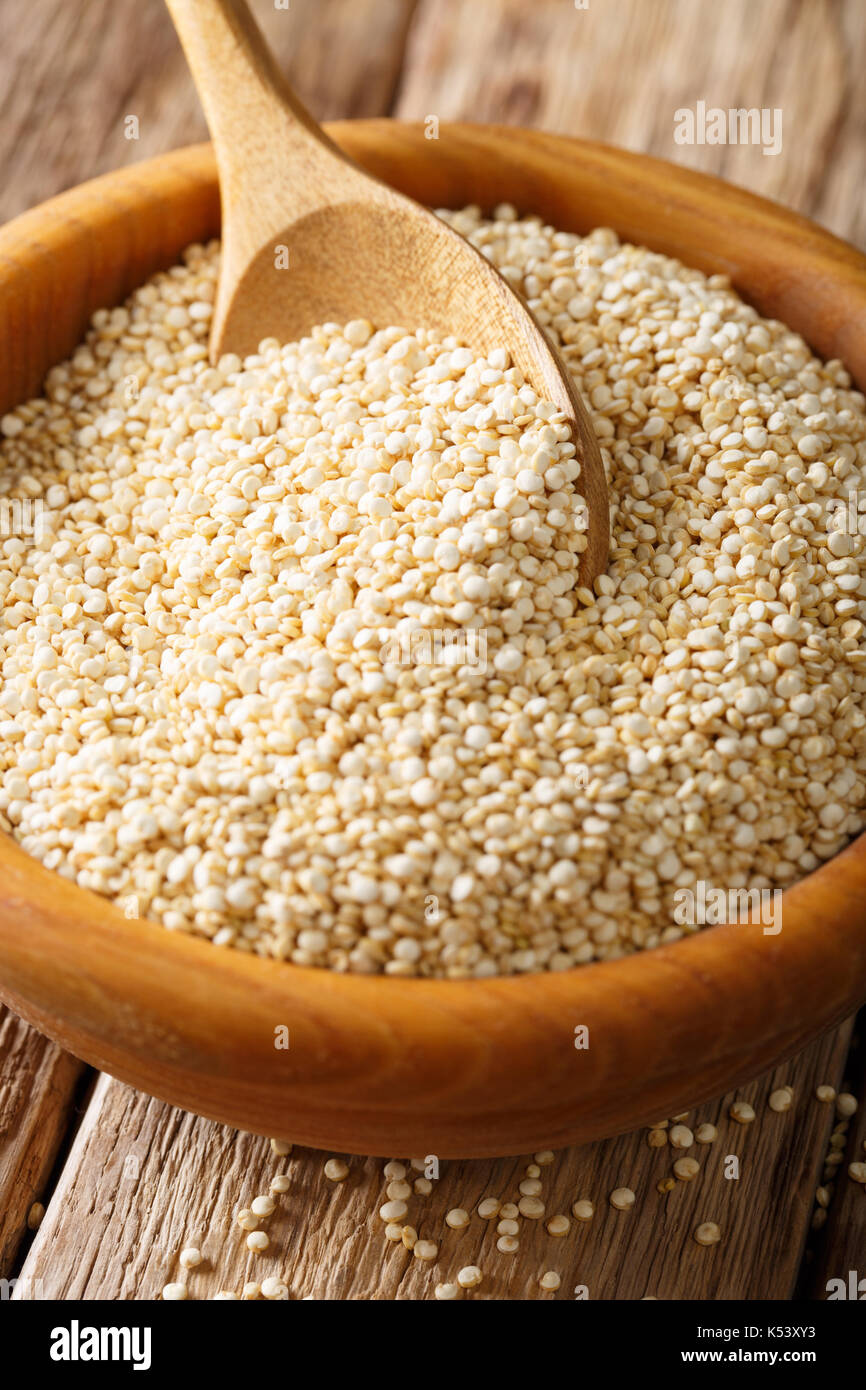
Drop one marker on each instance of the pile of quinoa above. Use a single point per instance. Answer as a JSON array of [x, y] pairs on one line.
[[297, 659]]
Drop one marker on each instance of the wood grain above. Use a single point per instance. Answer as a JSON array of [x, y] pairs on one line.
[[615, 72], [619, 70], [143, 1181], [70, 75], [37, 1085], [841, 1243]]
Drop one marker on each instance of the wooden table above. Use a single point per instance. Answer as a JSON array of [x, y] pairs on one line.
[[126, 1181]]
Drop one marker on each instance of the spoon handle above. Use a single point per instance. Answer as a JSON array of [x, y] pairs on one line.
[[260, 128]]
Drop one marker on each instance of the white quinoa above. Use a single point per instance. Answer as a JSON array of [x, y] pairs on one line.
[[222, 704]]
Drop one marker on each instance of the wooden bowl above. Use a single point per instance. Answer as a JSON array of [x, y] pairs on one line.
[[414, 1067]]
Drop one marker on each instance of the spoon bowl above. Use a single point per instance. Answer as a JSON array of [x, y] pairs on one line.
[[309, 237]]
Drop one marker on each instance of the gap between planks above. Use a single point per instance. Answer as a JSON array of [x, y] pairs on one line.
[[37, 1095], [840, 1247]]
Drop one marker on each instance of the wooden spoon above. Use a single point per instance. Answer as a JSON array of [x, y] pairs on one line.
[[309, 238]]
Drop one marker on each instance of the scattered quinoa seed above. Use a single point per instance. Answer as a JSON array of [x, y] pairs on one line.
[[446, 1292], [488, 1208], [393, 1211], [531, 1207], [681, 1137], [742, 1112], [782, 1099], [622, 1198], [708, 1233]]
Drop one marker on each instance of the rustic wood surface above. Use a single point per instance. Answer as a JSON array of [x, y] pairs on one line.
[[618, 70], [37, 1086], [142, 1180], [840, 1246], [72, 74]]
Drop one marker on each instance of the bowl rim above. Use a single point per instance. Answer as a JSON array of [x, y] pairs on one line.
[[80, 951]]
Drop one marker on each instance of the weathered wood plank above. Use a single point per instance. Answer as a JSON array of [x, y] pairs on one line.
[[619, 70], [71, 74], [143, 1181], [37, 1087], [840, 1246]]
